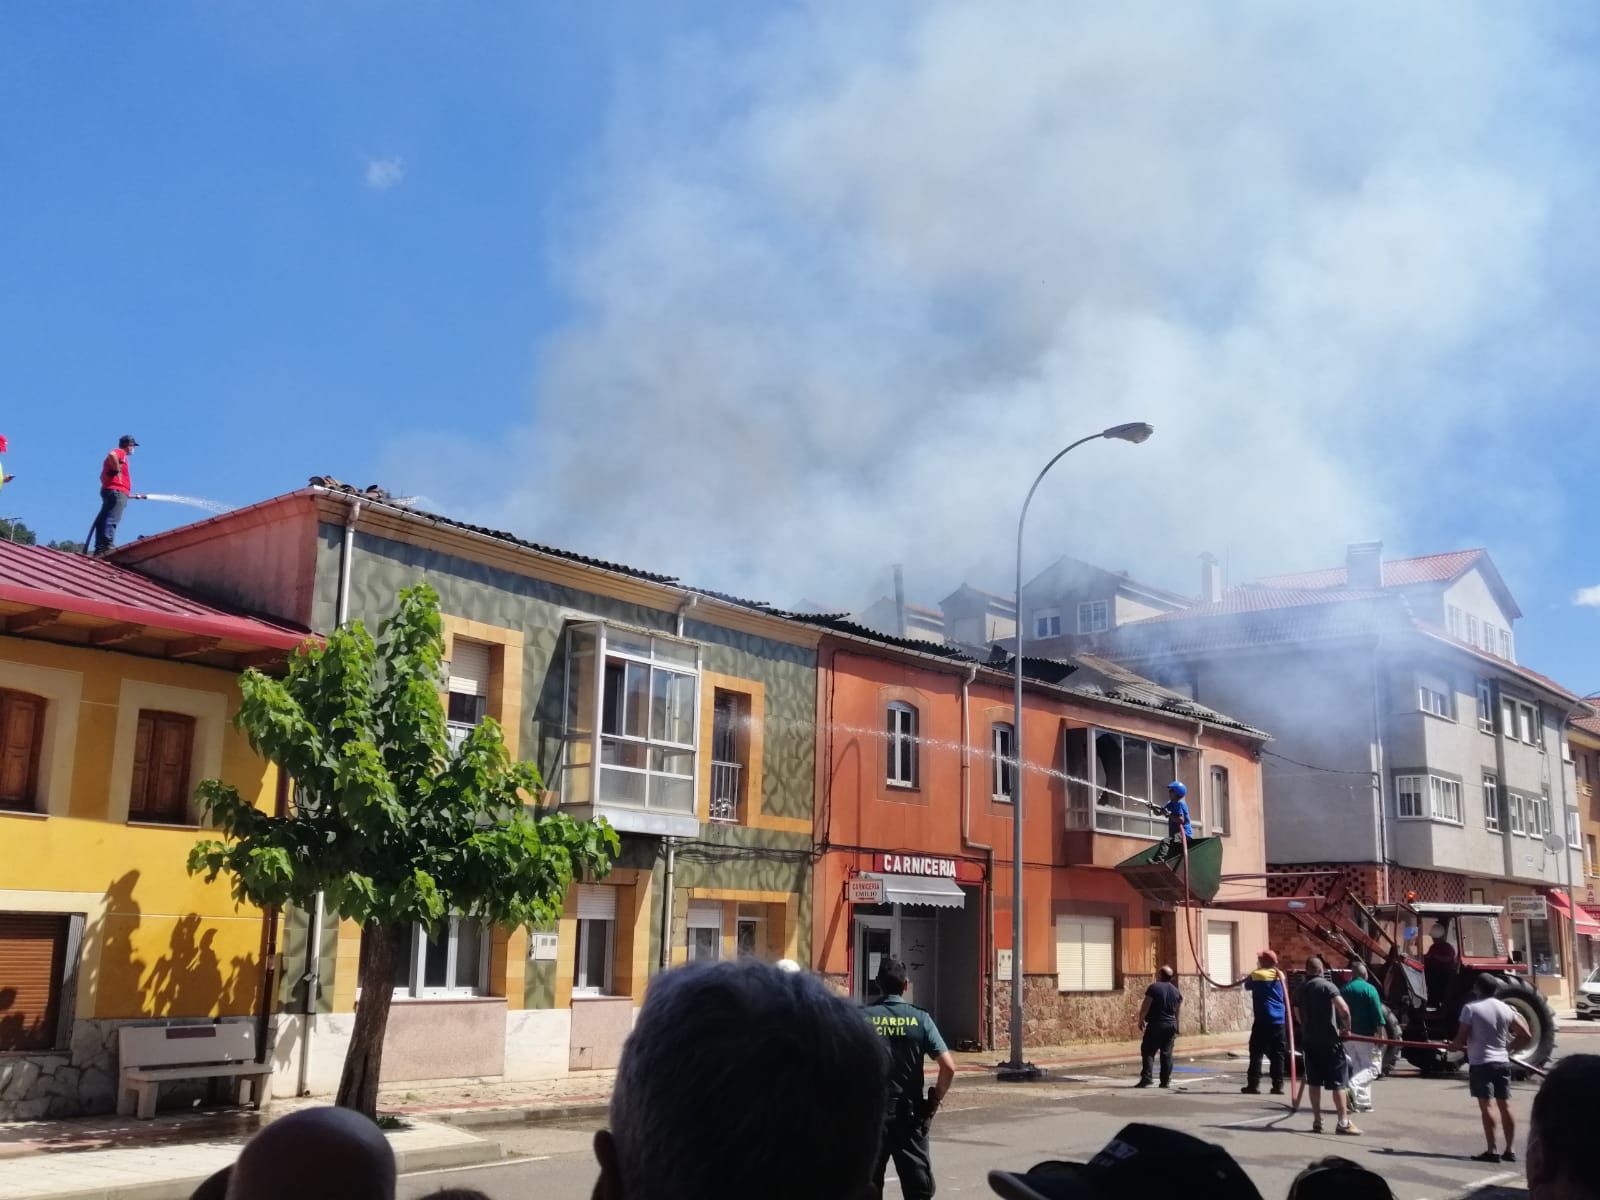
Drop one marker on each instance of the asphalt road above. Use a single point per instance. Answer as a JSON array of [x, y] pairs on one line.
[[1420, 1138]]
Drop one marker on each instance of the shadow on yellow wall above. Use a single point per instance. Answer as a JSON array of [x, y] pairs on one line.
[[187, 978]]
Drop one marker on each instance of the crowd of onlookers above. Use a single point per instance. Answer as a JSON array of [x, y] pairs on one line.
[[742, 1081]]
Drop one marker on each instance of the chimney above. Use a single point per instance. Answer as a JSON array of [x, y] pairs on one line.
[[1210, 579], [1363, 565], [899, 600]]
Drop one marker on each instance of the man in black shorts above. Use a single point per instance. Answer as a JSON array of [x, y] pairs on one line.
[[1324, 1024], [1490, 1031]]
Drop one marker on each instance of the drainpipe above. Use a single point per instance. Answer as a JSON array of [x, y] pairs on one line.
[[991, 1012], [313, 973], [1380, 814], [666, 903]]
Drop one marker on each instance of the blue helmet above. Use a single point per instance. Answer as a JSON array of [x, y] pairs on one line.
[[1178, 790]]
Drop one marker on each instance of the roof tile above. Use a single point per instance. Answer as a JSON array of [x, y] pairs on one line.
[[1397, 572]]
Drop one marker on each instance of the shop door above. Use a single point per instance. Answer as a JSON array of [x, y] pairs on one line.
[[919, 948], [872, 947]]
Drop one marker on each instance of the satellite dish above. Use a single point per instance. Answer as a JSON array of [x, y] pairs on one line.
[[1554, 842]]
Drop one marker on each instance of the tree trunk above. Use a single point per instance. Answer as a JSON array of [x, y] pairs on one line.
[[358, 1085]]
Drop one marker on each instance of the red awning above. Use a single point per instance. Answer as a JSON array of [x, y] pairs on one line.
[[1587, 925]]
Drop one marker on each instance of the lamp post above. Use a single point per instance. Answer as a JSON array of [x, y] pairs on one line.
[[1015, 1068]]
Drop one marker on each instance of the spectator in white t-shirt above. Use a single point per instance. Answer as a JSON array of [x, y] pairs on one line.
[[1490, 1030]]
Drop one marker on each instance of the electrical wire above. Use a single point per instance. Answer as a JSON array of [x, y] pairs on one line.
[[1314, 766]]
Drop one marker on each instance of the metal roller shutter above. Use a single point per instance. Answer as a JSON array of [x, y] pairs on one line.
[[596, 902], [705, 914], [469, 668], [32, 963]]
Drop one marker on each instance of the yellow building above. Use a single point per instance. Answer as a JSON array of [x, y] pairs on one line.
[[115, 699], [1583, 738]]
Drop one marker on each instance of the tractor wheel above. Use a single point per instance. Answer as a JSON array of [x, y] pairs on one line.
[[1527, 1002], [1391, 1030]]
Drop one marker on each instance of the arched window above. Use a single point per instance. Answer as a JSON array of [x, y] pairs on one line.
[[1003, 748], [903, 724]]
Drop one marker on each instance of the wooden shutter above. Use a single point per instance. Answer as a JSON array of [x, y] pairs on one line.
[[21, 737], [32, 962], [162, 751]]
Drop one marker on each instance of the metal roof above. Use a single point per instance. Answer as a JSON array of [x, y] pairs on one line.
[[43, 579]]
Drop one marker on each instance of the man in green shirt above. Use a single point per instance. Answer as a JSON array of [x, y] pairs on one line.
[[1366, 1020], [908, 1036]]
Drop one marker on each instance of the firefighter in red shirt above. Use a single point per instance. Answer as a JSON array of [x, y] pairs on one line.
[[116, 489]]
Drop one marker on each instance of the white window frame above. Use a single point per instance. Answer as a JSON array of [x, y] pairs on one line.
[[1444, 798], [1094, 616], [1414, 786], [1046, 622], [904, 731], [1224, 973], [1506, 646], [1574, 834], [1093, 967], [450, 937], [1219, 814], [1518, 814], [704, 914], [1474, 630], [1526, 718], [587, 928], [468, 684], [1485, 706], [1591, 855], [1453, 619], [1002, 747], [1434, 697], [1492, 814], [1106, 807]]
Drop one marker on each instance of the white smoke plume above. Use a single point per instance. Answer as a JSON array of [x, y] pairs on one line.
[[841, 289]]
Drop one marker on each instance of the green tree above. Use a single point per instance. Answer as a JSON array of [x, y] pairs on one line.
[[388, 823], [16, 531], [70, 547]]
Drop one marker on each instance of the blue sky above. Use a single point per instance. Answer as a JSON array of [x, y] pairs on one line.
[[775, 296]]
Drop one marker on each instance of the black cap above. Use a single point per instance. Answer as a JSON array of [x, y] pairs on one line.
[[1142, 1160], [891, 972], [127, 439]]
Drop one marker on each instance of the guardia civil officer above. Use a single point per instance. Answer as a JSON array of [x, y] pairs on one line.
[[908, 1035]]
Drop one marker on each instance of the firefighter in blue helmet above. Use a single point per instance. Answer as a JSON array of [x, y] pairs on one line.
[[1179, 829]]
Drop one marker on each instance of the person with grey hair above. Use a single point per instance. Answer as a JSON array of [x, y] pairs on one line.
[[795, 1079]]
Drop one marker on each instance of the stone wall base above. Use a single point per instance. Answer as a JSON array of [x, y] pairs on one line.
[[82, 1080], [1055, 1018]]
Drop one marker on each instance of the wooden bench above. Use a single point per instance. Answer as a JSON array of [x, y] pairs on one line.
[[149, 1055]]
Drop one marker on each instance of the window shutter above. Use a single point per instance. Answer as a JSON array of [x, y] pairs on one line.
[[1069, 954], [1219, 952], [21, 733], [32, 962], [1099, 954], [162, 749], [705, 914], [596, 902], [469, 668]]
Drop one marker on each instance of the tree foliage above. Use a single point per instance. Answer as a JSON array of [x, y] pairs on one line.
[[389, 823]]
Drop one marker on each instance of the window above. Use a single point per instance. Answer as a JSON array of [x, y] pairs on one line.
[[21, 738], [1446, 797], [705, 931], [162, 751], [597, 923], [730, 726], [1454, 620], [1547, 821], [1433, 695], [1508, 717], [466, 689], [747, 937], [33, 963], [1222, 951], [1085, 954], [1485, 706], [1525, 722], [1574, 840], [1094, 616], [1124, 775], [1591, 855], [1491, 804], [1474, 632], [1518, 824], [1408, 796], [1005, 762], [452, 961], [1505, 644], [1566, 750], [1047, 623], [902, 745], [635, 717], [1221, 814]]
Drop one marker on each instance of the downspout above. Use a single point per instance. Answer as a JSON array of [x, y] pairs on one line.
[[313, 973], [989, 1011], [1380, 814], [1566, 858], [665, 958]]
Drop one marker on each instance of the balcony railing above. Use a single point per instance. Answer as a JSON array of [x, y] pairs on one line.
[[724, 791]]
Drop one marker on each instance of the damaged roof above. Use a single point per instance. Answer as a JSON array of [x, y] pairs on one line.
[[1397, 572]]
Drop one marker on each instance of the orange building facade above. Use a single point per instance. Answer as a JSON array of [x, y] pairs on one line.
[[917, 778]]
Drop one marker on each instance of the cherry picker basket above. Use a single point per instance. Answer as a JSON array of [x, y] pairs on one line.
[[1157, 873]]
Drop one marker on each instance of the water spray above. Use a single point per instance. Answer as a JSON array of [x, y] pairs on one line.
[[215, 507]]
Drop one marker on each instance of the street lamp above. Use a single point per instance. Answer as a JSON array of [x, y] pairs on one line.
[[1016, 1068]]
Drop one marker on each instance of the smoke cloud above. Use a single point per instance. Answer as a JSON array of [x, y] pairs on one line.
[[841, 289]]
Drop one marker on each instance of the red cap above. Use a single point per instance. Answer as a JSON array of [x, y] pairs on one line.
[[1270, 955], [2, 443]]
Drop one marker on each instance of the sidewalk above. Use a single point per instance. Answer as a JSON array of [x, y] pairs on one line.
[[101, 1158]]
